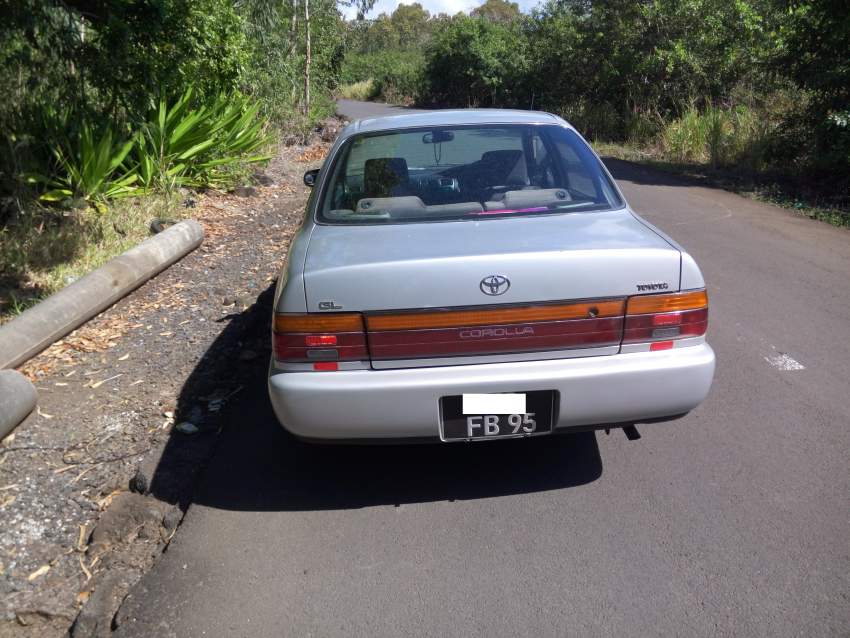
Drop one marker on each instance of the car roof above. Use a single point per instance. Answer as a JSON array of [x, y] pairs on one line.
[[450, 117]]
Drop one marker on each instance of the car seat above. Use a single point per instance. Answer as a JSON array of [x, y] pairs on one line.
[[508, 167]]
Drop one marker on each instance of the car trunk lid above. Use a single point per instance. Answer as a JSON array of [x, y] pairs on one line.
[[564, 277]]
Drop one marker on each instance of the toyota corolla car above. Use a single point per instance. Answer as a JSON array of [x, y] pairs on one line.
[[476, 275]]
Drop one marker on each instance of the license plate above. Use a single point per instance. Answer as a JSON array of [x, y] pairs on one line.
[[537, 419]]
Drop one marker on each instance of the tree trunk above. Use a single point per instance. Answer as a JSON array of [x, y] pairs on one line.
[[307, 57], [293, 31]]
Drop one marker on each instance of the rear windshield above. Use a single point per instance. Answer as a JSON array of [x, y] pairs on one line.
[[470, 172]]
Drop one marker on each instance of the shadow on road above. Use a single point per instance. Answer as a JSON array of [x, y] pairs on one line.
[[256, 465], [638, 174]]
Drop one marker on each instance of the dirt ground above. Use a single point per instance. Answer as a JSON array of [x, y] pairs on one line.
[[88, 501]]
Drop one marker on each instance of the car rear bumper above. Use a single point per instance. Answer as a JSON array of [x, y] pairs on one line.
[[404, 403]]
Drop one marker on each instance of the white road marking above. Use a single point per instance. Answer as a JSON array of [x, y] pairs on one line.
[[784, 362]]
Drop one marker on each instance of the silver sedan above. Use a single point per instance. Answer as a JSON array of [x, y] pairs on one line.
[[476, 275]]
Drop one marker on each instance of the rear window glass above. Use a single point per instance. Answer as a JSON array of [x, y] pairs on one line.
[[449, 173]]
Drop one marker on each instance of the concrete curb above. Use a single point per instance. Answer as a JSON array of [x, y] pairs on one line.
[[17, 400], [36, 328]]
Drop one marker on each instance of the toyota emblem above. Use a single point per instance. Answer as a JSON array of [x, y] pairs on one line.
[[494, 285]]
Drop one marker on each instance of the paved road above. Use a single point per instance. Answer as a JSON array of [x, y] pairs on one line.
[[355, 110], [733, 520]]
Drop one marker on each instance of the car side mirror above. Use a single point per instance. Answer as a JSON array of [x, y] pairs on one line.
[[310, 177]]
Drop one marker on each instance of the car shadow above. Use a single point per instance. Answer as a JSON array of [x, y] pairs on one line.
[[255, 465]]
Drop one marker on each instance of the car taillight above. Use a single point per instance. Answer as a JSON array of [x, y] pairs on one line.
[[321, 338], [663, 318]]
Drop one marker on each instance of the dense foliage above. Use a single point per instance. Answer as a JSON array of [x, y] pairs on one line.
[[79, 76], [758, 83], [475, 61], [110, 106]]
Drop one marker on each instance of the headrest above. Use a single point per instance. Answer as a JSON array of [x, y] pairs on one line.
[[503, 156], [511, 162], [382, 174]]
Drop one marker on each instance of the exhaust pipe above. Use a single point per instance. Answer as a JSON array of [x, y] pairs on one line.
[[632, 433]]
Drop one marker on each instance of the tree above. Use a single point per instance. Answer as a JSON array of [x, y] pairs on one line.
[[502, 11], [307, 55], [815, 49], [814, 41], [410, 23], [474, 61]]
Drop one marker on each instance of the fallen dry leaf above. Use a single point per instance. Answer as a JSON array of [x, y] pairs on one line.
[[83, 567], [103, 503], [41, 571], [313, 153], [94, 386], [64, 469]]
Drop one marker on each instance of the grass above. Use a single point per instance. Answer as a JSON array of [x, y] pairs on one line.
[[43, 250], [361, 91], [801, 196]]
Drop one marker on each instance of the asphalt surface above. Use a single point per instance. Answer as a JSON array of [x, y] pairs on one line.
[[732, 520]]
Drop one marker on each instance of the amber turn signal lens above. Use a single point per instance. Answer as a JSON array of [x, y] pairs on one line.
[[648, 304], [337, 322], [492, 317]]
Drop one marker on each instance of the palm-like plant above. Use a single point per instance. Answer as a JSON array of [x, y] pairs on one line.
[[171, 141], [92, 168], [239, 136], [184, 146]]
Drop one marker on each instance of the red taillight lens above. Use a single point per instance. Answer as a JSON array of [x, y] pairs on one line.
[[320, 338], [661, 318], [660, 345], [667, 319]]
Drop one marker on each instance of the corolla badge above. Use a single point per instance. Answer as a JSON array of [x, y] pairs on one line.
[[494, 285]]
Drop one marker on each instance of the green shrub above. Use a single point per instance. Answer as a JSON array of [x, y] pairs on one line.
[[179, 145], [684, 139], [643, 128], [719, 137], [90, 166], [595, 121], [389, 76], [402, 84], [184, 146], [477, 62]]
